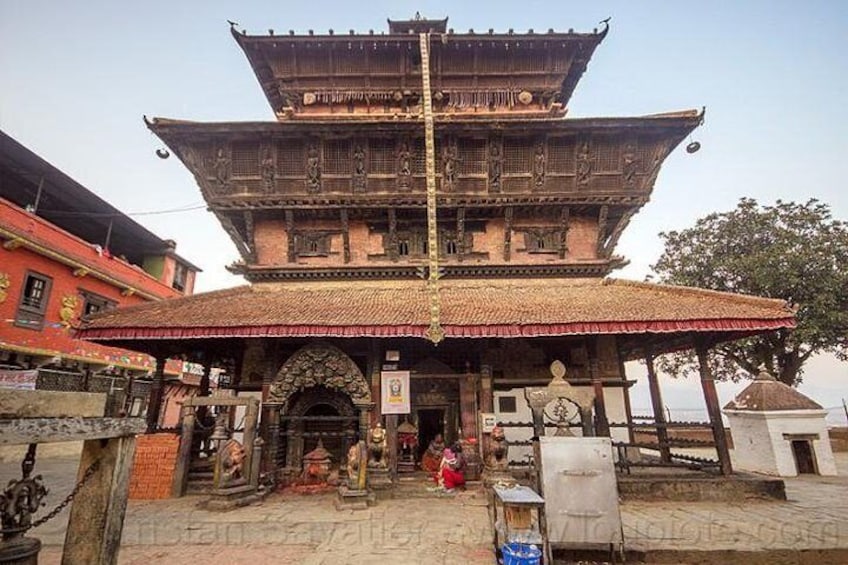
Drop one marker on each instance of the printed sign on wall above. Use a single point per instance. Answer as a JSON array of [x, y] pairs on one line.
[[394, 397]]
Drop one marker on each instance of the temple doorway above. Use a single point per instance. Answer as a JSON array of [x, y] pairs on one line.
[[431, 422], [804, 460], [318, 413]]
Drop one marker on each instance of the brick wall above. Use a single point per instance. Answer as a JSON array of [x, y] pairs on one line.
[[153, 466]]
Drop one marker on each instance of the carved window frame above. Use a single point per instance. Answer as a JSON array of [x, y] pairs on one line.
[[313, 244], [32, 305], [542, 241]]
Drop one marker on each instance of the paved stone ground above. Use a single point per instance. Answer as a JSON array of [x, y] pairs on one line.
[[307, 529]]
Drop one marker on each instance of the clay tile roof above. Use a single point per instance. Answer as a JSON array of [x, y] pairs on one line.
[[765, 394], [469, 308]]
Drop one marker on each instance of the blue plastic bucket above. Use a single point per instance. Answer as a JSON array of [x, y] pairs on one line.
[[521, 554]]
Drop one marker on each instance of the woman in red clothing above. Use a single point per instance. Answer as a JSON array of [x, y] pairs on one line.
[[452, 469]]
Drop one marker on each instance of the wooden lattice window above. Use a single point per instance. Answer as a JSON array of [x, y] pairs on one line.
[[608, 156], [472, 157], [245, 159], [337, 159], [561, 155], [518, 156], [382, 157], [419, 159], [290, 158]]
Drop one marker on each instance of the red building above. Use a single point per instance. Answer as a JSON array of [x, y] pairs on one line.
[[66, 254]]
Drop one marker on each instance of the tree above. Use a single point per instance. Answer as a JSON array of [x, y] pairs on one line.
[[796, 252]]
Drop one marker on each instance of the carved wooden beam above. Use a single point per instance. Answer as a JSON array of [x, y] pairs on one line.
[[248, 233], [345, 235], [603, 213], [507, 231], [42, 430], [612, 241], [392, 250], [564, 225], [460, 233], [235, 236], [291, 254]]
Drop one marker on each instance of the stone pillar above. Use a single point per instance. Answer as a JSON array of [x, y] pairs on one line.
[[713, 409], [154, 405], [269, 431], [97, 514], [659, 412]]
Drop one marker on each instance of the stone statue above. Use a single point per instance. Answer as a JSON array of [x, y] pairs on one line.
[[377, 447], [353, 463], [497, 459], [232, 463]]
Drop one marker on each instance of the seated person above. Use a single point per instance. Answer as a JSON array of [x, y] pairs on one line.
[[432, 458], [450, 474]]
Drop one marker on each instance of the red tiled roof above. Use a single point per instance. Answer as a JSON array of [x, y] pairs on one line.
[[469, 308]]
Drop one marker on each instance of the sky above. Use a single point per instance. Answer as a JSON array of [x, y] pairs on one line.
[[76, 78]]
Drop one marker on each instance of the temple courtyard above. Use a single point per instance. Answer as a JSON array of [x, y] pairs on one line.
[[810, 527]]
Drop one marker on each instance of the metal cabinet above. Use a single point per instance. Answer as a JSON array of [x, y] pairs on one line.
[[580, 491]]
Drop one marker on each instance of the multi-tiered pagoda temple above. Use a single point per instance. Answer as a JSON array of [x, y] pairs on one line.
[[422, 203]]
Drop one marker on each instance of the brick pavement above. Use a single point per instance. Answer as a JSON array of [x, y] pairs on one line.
[[307, 529]]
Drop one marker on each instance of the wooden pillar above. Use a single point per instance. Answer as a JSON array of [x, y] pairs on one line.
[[374, 368], [659, 411], [601, 423], [487, 400], [628, 409], [154, 404], [187, 415], [97, 514], [392, 444], [711, 398], [468, 406]]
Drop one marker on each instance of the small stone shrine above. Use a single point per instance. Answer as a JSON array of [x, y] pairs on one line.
[[779, 431]]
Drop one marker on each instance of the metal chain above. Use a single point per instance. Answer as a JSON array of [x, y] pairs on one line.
[[89, 472]]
